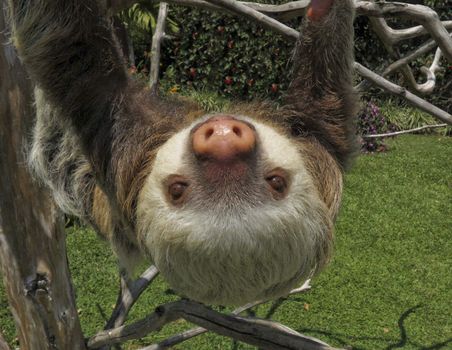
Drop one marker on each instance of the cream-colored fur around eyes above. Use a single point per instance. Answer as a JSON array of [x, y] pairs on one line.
[[244, 254]]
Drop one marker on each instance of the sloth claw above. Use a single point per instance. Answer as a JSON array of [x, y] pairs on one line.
[[319, 9]]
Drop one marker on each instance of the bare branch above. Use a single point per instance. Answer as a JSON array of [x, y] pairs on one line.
[[191, 333], [156, 45], [265, 21], [261, 333], [155, 321], [381, 28], [422, 50], [397, 35], [419, 13], [389, 134], [176, 339], [282, 12], [430, 74], [400, 91], [130, 291]]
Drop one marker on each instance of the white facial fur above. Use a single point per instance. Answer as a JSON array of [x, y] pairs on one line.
[[235, 257]]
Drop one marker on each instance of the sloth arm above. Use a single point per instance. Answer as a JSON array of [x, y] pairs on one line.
[[70, 53], [321, 93]]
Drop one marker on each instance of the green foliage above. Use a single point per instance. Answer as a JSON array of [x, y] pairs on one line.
[[234, 57], [388, 286], [142, 15], [404, 117]]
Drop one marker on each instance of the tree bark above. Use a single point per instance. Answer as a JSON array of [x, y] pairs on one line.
[[32, 241], [156, 46]]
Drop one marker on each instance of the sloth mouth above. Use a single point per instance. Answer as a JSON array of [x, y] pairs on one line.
[[221, 174]]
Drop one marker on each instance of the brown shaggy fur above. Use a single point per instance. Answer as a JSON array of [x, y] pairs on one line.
[[70, 52]]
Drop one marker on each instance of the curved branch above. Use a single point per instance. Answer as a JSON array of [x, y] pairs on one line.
[[397, 35], [381, 28], [419, 13], [422, 50], [430, 74]]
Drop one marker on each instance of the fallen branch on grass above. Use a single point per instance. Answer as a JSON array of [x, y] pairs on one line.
[[395, 133]]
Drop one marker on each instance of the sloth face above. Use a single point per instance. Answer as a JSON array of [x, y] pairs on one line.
[[229, 213]]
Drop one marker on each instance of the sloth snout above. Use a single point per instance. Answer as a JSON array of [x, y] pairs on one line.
[[223, 139]]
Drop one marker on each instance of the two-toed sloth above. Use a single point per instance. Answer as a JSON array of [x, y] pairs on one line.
[[230, 207]]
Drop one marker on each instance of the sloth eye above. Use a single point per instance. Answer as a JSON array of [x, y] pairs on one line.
[[278, 183], [176, 190]]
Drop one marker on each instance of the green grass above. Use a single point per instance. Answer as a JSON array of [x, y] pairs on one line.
[[389, 285]]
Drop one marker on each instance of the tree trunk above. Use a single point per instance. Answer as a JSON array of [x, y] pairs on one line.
[[32, 240]]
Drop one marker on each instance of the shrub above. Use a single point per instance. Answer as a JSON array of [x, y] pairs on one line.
[[403, 117], [371, 122], [226, 54]]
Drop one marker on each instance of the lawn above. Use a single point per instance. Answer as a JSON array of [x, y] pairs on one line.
[[389, 285]]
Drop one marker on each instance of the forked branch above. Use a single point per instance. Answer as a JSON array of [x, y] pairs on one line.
[[258, 332], [191, 333]]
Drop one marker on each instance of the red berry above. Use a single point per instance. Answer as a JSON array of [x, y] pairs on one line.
[[228, 80], [220, 29], [193, 72], [274, 87]]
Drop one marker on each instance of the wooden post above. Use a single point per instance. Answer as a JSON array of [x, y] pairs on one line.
[[32, 240]]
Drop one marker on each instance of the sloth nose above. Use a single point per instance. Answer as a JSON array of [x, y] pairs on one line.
[[223, 139]]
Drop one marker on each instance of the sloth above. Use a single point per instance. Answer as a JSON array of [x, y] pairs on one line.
[[231, 207]]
